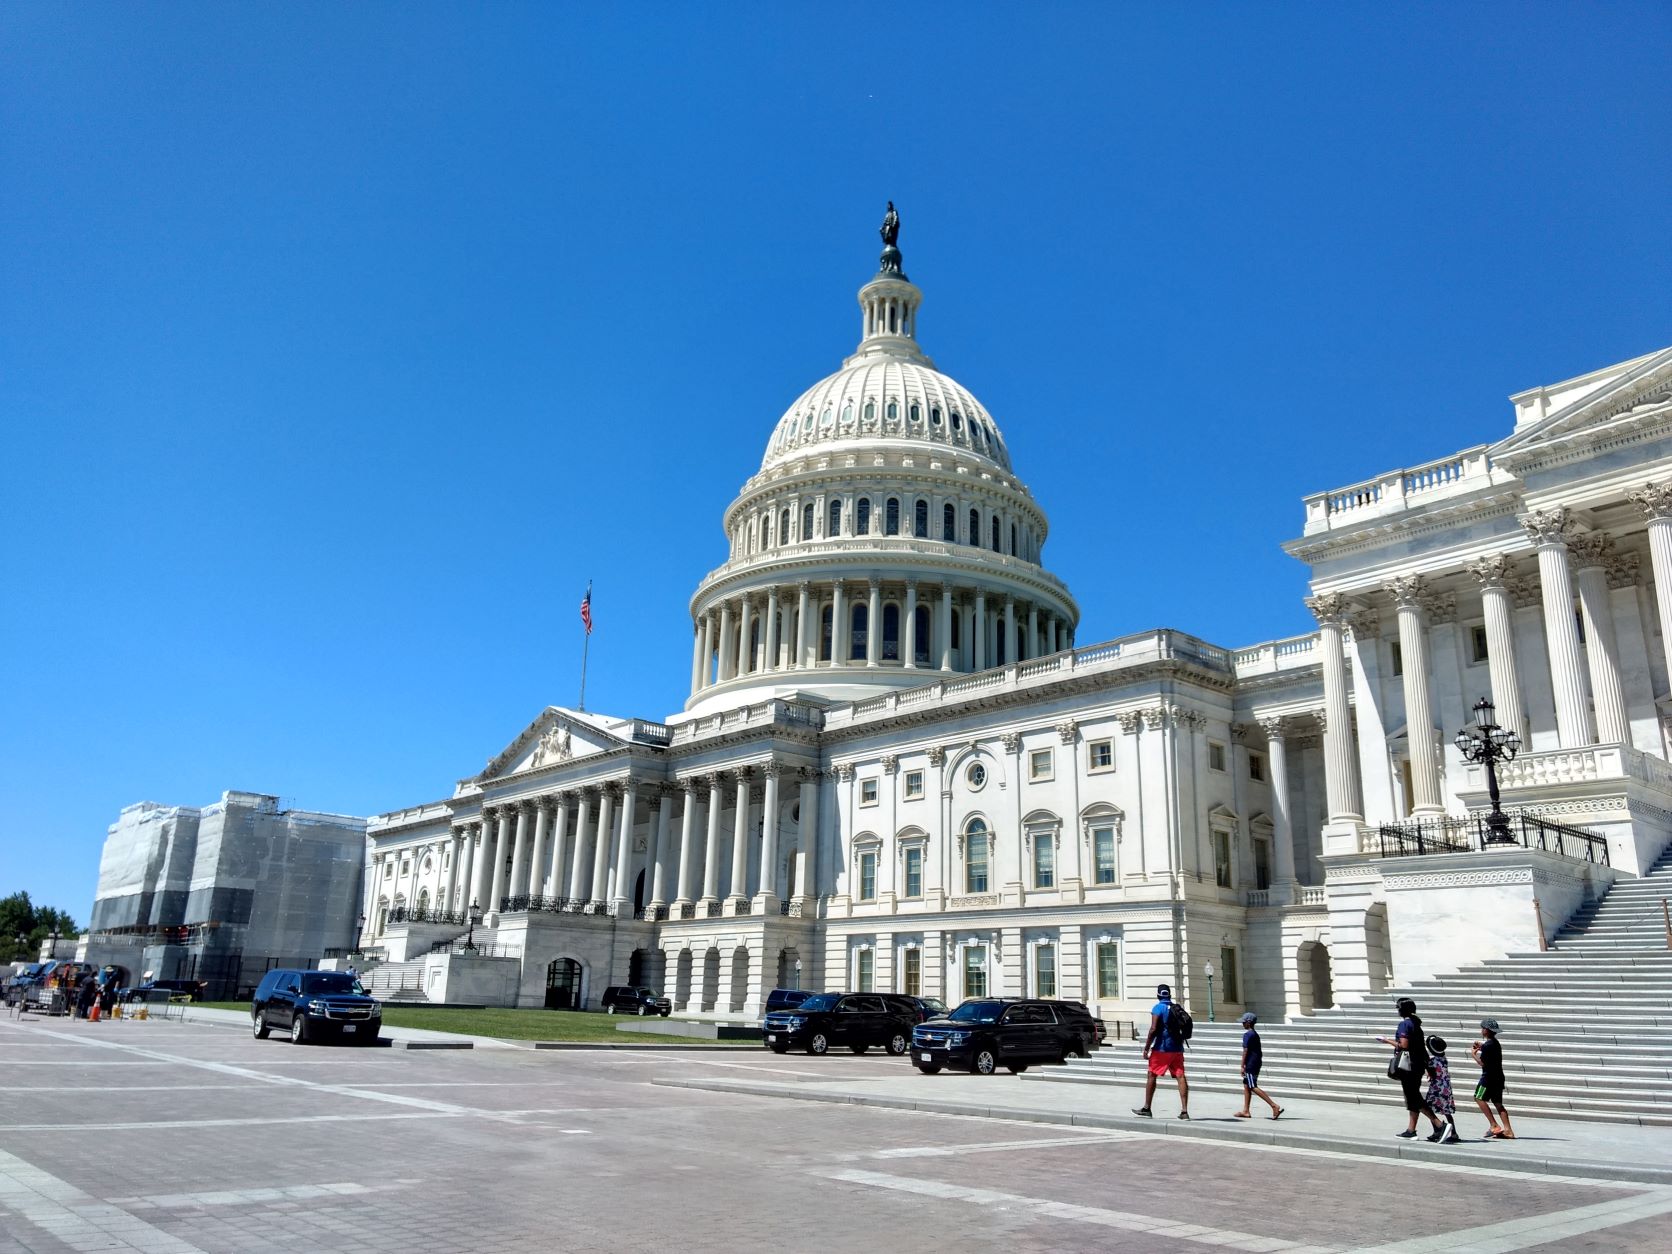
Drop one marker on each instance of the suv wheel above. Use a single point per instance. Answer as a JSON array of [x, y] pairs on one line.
[[298, 1029], [984, 1061], [898, 1044], [261, 1028], [643, 1011], [610, 1009], [819, 1044], [666, 1013]]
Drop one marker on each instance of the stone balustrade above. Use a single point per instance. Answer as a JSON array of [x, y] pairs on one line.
[[1403, 489]]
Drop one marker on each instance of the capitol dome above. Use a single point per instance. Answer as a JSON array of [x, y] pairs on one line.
[[884, 539]]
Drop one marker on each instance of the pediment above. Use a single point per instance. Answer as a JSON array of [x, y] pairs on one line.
[[1549, 414], [557, 735]]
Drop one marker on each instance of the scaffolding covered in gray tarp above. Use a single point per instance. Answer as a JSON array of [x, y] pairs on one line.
[[226, 892]]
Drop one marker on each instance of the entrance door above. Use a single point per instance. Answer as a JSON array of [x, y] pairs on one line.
[[563, 985], [638, 894]]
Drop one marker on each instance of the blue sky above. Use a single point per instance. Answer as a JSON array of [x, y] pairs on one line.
[[341, 344]]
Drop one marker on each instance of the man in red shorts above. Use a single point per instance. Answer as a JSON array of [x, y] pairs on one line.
[[1165, 1053]]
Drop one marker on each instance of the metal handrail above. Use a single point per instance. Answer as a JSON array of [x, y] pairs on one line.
[[1463, 833], [410, 914]]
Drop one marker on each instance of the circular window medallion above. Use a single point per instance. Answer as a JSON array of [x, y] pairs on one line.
[[976, 776]]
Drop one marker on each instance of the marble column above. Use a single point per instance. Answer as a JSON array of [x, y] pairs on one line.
[[705, 674], [1493, 572], [978, 659], [803, 625], [873, 625], [745, 644], [624, 850], [740, 840], [1282, 826], [517, 885], [711, 851], [771, 661], [458, 849], [660, 822], [1033, 630], [555, 883], [1602, 651], [535, 884], [1655, 500], [946, 627], [1549, 530], [688, 837], [908, 633], [501, 844], [581, 869], [601, 845], [469, 853], [1010, 650], [723, 645], [697, 634], [806, 862], [1340, 775], [769, 838], [1409, 593], [481, 877], [839, 624]]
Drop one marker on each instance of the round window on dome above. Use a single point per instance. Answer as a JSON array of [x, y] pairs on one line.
[[976, 776]]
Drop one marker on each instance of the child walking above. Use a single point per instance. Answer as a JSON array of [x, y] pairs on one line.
[[1440, 1099], [1251, 1059], [1489, 1092]]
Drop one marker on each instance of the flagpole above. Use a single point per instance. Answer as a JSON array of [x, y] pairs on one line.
[[586, 647]]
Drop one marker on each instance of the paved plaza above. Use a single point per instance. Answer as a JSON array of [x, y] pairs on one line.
[[173, 1138]]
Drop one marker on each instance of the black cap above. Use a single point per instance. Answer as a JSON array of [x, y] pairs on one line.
[[1163, 991]]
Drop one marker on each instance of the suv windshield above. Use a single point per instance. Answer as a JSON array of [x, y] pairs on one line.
[[977, 1012], [331, 982], [934, 1003], [819, 1001]]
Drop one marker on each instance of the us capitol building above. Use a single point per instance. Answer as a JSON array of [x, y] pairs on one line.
[[898, 769]]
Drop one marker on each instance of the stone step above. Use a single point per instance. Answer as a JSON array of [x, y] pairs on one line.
[[1616, 1071]]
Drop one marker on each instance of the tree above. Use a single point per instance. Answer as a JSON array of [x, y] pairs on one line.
[[21, 917]]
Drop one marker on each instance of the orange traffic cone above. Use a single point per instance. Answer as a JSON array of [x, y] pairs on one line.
[[93, 1014]]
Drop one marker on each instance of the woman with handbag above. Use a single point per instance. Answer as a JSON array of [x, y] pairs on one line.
[[1409, 1064]]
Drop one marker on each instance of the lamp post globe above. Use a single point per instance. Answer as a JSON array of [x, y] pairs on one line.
[[475, 918], [1488, 744], [1207, 970]]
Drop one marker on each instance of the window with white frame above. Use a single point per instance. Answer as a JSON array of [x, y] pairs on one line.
[[912, 870], [1044, 970], [1256, 768], [912, 789], [1044, 859], [975, 971], [1103, 853], [864, 970], [1477, 644], [868, 792], [868, 875], [1222, 870], [1040, 765], [977, 842], [975, 775], [911, 972], [1216, 756], [1106, 969], [1100, 755]]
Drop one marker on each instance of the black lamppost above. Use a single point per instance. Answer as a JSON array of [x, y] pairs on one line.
[[475, 918], [360, 934], [1489, 744]]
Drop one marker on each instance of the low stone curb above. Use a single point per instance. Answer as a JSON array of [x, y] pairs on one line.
[[431, 1044], [1636, 1173], [686, 1043]]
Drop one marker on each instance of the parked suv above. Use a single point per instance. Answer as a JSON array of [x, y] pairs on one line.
[[315, 1006], [624, 999], [857, 1020], [1090, 1033], [921, 1009], [785, 998], [989, 1033]]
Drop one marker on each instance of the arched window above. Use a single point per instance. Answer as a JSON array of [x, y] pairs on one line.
[[920, 520], [784, 527], [934, 415], [766, 531], [754, 644], [423, 902], [916, 414], [862, 517], [975, 529], [891, 632], [824, 635], [806, 522], [847, 413], [870, 412], [807, 423], [957, 421], [1013, 540], [977, 852], [858, 621], [891, 517], [949, 524], [825, 420], [834, 527], [893, 319], [998, 547], [893, 412], [925, 636]]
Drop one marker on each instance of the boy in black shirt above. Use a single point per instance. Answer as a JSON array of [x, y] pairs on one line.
[[1251, 1059], [1490, 1091]]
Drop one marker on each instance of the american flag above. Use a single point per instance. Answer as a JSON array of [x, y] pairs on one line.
[[586, 609]]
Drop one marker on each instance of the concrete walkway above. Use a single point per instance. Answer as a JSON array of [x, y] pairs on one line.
[[240, 1019], [1561, 1147]]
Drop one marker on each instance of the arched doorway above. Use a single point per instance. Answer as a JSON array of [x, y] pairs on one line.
[[710, 980], [789, 968], [638, 894], [563, 984], [682, 980], [1312, 967], [636, 972]]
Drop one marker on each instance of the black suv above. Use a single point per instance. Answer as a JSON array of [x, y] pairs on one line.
[[314, 1006], [989, 1033], [857, 1020], [921, 1009], [624, 999], [1089, 1031], [785, 998]]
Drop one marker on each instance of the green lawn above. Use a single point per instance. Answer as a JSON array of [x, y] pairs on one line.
[[513, 1025]]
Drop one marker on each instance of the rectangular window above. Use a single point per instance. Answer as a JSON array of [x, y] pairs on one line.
[[1256, 767], [914, 785], [1228, 975], [1222, 858], [975, 863], [1039, 764], [1477, 643], [1262, 863], [975, 972], [1398, 667], [1044, 861], [914, 871], [911, 972], [868, 876], [1045, 971], [864, 970], [867, 792], [1100, 755], [1108, 970], [1103, 853], [1216, 756]]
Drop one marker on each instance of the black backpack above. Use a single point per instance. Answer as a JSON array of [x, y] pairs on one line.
[[1180, 1026]]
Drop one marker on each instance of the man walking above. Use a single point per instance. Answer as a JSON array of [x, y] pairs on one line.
[[1164, 1051]]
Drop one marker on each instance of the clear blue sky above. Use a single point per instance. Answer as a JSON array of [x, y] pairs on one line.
[[341, 344]]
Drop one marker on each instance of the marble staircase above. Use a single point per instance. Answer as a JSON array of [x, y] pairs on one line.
[[1586, 1027]]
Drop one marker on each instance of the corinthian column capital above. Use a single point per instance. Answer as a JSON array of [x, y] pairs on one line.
[[1655, 500], [1492, 571], [1328, 608], [1548, 526]]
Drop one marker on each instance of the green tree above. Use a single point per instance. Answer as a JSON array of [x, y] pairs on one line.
[[21, 917]]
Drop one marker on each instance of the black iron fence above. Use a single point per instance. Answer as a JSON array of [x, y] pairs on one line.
[[457, 946], [551, 905], [411, 914], [1462, 833]]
